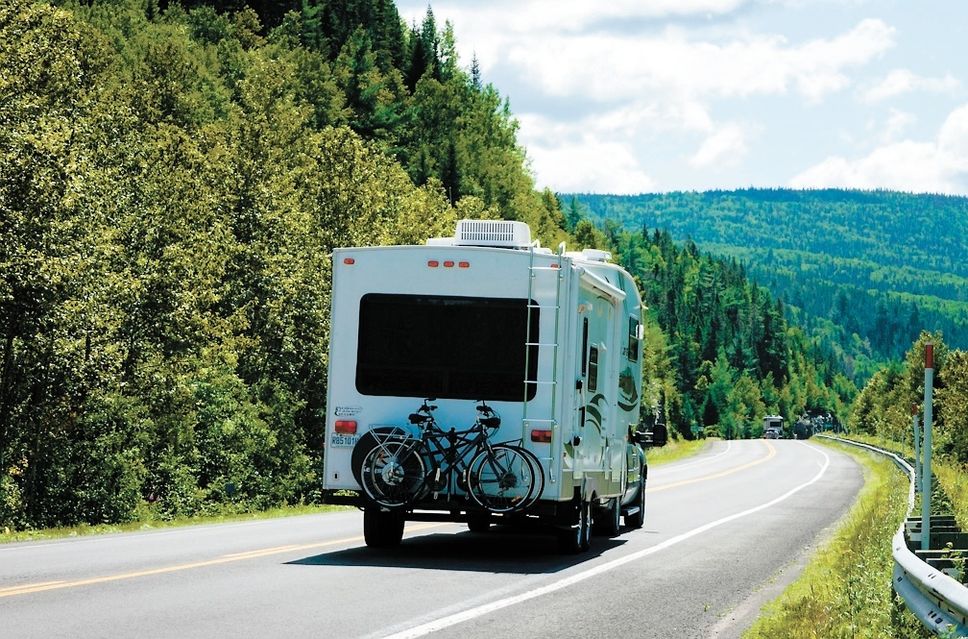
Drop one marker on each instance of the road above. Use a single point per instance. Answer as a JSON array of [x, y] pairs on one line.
[[725, 530]]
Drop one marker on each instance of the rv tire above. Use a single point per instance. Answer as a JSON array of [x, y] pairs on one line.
[[382, 528], [637, 519], [610, 524], [478, 522], [577, 537]]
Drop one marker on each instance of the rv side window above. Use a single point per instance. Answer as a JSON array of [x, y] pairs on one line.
[[584, 347], [446, 347], [593, 369], [633, 350]]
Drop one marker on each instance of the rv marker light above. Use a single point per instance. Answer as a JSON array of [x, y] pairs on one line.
[[345, 427], [349, 260], [541, 436], [449, 263], [433, 263], [464, 264]]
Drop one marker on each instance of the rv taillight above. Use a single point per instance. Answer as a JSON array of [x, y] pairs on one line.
[[433, 263], [541, 436], [464, 264], [349, 260], [449, 263], [556, 266], [345, 427]]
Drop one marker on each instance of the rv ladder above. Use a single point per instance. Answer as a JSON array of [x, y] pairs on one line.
[[529, 343]]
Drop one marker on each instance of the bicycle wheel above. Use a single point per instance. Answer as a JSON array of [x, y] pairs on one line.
[[392, 473], [539, 477], [501, 479]]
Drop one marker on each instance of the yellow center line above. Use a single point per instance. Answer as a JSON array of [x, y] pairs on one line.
[[224, 559], [259, 553], [685, 482], [46, 583]]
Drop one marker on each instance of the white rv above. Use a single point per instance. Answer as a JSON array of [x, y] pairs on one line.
[[550, 342]]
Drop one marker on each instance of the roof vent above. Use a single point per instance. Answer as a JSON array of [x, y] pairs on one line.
[[501, 233], [595, 255]]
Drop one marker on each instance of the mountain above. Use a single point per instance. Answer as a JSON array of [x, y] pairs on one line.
[[864, 271]]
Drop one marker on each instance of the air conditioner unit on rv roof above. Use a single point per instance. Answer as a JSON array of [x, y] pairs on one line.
[[493, 233]]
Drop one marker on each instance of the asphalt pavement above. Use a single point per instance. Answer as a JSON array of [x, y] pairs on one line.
[[724, 532]]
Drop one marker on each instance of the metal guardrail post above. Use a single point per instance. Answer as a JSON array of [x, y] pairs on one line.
[[917, 449], [926, 467], [937, 600]]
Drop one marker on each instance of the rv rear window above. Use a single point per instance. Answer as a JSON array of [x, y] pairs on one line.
[[445, 347]]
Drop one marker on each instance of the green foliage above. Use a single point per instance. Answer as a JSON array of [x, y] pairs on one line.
[[173, 177], [883, 407], [863, 272], [172, 181], [725, 355]]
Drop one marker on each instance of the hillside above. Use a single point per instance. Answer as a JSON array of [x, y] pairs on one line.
[[879, 265], [173, 178]]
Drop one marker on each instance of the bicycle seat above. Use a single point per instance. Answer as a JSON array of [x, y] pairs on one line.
[[417, 418], [491, 422]]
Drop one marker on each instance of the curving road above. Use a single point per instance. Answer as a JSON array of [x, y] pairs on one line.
[[725, 531]]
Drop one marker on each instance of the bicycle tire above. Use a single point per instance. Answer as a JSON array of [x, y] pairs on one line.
[[502, 479], [539, 483], [370, 440], [392, 473]]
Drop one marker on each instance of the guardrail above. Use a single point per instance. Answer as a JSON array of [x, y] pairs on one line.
[[940, 602]]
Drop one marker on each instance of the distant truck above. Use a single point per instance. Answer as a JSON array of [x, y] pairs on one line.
[[773, 427], [486, 332]]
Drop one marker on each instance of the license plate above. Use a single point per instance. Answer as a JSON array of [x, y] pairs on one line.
[[336, 440]]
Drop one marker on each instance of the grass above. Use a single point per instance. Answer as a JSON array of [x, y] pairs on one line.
[[8, 536], [845, 590], [951, 477], [675, 450]]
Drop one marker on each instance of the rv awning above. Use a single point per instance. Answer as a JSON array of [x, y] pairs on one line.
[[601, 285]]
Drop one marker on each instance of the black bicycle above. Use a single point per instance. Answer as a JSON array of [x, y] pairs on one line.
[[397, 469]]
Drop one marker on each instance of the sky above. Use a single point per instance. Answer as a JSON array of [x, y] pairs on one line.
[[639, 96]]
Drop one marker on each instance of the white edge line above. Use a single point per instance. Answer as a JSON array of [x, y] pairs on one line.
[[473, 613]]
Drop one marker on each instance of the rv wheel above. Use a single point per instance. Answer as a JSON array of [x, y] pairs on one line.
[[611, 519], [478, 522], [637, 519], [381, 528], [577, 538]]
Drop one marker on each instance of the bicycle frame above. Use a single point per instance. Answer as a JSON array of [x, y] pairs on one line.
[[452, 458]]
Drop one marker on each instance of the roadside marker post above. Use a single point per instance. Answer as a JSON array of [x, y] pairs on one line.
[[917, 448], [926, 468]]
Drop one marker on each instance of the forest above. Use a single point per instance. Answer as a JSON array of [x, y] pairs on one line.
[[863, 271], [721, 352], [883, 407], [172, 180]]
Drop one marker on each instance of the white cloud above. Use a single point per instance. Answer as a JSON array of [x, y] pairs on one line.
[[569, 16], [725, 146], [556, 47], [599, 167], [938, 166], [953, 139], [901, 81], [897, 122], [571, 157], [611, 68]]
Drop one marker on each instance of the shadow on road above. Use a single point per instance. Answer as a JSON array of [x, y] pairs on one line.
[[501, 550]]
